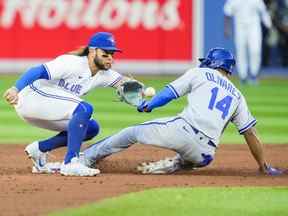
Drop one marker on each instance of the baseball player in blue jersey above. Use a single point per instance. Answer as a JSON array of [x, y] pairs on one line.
[[48, 96], [213, 102]]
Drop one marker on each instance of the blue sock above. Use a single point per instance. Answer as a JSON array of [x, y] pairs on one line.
[[77, 129], [54, 142], [93, 130], [60, 139]]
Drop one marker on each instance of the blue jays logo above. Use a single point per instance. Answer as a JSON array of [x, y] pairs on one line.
[[111, 39]]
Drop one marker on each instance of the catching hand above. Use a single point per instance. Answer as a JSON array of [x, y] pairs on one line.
[[11, 96]]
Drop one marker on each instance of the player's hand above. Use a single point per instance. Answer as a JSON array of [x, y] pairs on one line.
[[269, 170], [143, 107], [11, 95]]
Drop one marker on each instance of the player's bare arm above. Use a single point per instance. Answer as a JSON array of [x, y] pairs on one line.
[[256, 148], [121, 81], [11, 95]]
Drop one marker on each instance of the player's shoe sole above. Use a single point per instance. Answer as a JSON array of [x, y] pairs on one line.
[[166, 166], [38, 159], [48, 168]]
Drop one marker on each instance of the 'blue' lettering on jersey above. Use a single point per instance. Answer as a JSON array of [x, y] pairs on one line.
[[222, 83], [70, 87]]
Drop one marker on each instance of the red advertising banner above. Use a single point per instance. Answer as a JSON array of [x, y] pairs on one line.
[[144, 29]]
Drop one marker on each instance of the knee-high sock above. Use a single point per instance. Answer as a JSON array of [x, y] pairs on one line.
[[60, 139], [77, 129]]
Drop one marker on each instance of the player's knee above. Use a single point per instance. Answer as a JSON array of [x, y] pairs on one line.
[[85, 109], [93, 129], [207, 159]]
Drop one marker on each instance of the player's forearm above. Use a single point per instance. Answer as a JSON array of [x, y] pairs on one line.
[[121, 80], [255, 146], [160, 99], [34, 73]]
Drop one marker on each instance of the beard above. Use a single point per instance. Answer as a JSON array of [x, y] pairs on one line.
[[99, 64]]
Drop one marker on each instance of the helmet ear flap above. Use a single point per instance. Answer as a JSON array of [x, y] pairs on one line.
[[205, 62]]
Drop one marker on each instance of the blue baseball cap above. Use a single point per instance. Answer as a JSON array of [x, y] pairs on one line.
[[104, 41]]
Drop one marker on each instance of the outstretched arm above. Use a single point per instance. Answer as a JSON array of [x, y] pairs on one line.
[[256, 148], [34, 73], [160, 99]]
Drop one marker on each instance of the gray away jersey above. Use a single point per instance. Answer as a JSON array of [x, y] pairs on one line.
[[213, 101], [72, 74]]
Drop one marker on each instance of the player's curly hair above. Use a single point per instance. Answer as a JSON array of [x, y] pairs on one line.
[[81, 51]]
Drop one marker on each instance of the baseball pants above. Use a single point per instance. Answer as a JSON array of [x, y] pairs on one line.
[[170, 133]]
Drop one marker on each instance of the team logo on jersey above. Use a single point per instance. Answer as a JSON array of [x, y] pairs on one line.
[[74, 88]]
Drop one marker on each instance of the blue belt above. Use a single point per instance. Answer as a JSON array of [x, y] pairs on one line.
[[196, 131]]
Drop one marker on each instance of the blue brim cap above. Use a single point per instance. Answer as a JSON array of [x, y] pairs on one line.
[[104, 41], [115, 49]]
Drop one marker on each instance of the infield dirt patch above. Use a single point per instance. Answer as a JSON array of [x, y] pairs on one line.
[[23, 193]]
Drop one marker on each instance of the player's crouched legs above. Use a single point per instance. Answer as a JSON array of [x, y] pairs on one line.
[[39, 159]]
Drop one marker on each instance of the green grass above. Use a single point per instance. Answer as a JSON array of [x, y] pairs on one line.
[[191, 201], [268, 103]]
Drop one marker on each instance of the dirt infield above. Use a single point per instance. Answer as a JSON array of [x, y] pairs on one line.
[[23, 193]]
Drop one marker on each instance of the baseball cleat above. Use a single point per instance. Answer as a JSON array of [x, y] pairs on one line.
[[48, 168], [38, 158], [85, 161], [76, 168], [166, 166]]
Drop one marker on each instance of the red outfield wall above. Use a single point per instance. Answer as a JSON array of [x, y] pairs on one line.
[[148, 31]]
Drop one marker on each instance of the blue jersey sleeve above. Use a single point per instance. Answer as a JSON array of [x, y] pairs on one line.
[[32, 74], [162, 98]]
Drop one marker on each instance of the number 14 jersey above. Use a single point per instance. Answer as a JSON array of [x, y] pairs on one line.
[[213, 101]]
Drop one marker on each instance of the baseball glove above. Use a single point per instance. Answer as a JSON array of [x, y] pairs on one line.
[[131, 92]]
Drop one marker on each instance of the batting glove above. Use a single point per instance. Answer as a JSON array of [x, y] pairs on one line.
[[272, 171], [143, 107]]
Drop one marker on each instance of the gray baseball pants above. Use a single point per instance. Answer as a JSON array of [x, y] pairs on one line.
[[172, 133]]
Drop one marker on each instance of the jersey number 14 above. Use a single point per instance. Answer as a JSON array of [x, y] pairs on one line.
[[222, 105]]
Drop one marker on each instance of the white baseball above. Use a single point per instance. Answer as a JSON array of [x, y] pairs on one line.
[[150, 92]]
